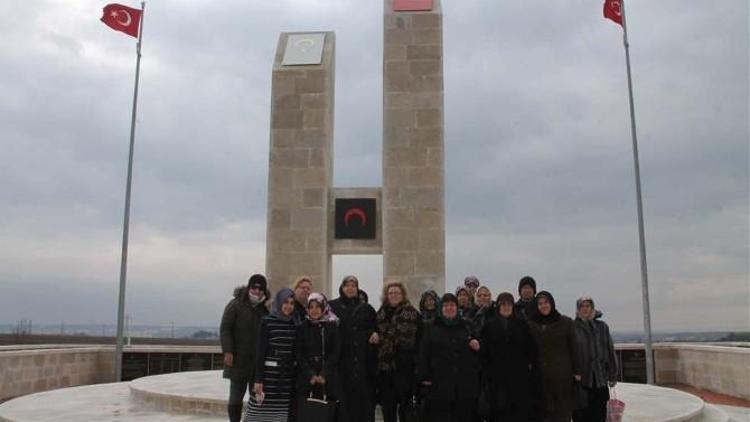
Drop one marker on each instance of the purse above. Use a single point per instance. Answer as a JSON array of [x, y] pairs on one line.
[[317, 409]]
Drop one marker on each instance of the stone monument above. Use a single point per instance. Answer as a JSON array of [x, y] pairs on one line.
[[309, 220]]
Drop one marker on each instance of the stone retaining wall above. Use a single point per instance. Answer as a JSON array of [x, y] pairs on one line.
[[723, 370], [30, 371]]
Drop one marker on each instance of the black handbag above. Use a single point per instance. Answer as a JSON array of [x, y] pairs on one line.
[[318, 409], [313, 409]]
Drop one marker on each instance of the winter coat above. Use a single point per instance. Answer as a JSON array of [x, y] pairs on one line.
[[397, 328], [357, 323], [300, 313], [598, 362], [313, 360], [447, 361], [239, 328], [524, 310], [510, 363], [558, 358], [483, 317]]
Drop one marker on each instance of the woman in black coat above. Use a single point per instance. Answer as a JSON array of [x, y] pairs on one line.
[[357, 363], [555, 337], [318, 350], [448, 365], [239, 329], [510, 362]]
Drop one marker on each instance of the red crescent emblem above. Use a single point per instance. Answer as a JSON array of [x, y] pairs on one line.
[[355, 212]]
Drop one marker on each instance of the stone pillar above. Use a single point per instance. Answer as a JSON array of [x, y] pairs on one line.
[[413, 153], [300, 169]]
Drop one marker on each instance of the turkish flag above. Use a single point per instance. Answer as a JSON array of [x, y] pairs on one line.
[[613, 10], [122, 18]]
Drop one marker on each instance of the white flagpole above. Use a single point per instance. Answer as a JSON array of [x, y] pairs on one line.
[[639, 200], [126, 219]]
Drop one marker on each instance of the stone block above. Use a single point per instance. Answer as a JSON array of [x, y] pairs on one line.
[[400, 264], [306, 263], [428, 218], [315, 240], [283, 84], [399, 118], [286, 119], [286, 102], [396, 136], [431, 119], [428, 84], [314, 118], [394, 52], [308, 218], [398, 36], [283, 138], [313, 83], [398, 100], [431, 239], [426, 20], [397, 21], [424, 52], [397, 77], [430, 263], [280, 218], [309, 177], [400, 240], [318, 158], [313, 197], [428, 36], [290, 157], [313, 138], [425, 68], [435, 157], [427, 100], [315, 101], [405, 157]]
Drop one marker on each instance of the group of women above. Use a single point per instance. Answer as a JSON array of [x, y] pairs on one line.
[[460, 357]]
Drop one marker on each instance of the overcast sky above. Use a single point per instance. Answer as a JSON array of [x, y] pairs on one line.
[[539, 165]]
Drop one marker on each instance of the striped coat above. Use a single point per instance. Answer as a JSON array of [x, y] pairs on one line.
[[276, 370]]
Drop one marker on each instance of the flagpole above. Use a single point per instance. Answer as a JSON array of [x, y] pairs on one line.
[[639, 200], [126, 218]]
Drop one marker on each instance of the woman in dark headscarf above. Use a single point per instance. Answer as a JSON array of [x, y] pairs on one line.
[[510, 364], [448, 365], [357, 328], [275, 368], [555, 337], [466, 307], [318, 354], [428, 305]]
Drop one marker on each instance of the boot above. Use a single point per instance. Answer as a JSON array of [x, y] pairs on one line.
[[235, 412]]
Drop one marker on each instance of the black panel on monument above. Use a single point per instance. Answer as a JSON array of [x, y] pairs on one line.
[[355, 218]]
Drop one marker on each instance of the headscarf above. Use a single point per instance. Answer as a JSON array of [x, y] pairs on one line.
[[282, 296], [465, 289], [489, 305], [349, 300], [553, 316], [471, 281], [328, 315], [526, 281], [429, 313]]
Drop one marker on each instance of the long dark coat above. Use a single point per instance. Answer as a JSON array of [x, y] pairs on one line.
[[239, 328], [447, 361], [598, 362], [511, 364], [558, 357], [312, 360], [358, 356]]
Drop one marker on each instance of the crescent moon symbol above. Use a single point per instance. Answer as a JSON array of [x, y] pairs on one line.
[[617, 8], [128, 21], [355, 212], [305, 44]]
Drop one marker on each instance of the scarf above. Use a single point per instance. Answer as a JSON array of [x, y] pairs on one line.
[[328, 315], [282, 296]]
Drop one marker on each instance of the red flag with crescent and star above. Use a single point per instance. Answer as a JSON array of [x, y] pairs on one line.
[[122, 18], [613, 10]]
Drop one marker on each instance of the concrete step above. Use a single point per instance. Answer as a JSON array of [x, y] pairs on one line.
[[712, 413]]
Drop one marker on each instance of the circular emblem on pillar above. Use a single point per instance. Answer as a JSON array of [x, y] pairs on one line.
[[355, 218]]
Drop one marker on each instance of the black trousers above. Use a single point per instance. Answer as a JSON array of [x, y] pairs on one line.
[[451, 411], [237, 390], [596, 411], [394, 394]]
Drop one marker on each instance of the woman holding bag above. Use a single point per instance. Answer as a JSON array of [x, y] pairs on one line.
[[318, 351]]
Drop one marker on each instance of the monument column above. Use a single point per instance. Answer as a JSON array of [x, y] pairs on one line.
[[301, 160], [413, 152]]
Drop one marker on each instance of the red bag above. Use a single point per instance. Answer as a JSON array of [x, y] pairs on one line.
[[615, 407]]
